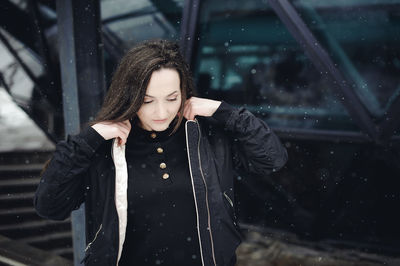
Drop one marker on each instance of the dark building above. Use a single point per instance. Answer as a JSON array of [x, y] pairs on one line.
[[323, 74]]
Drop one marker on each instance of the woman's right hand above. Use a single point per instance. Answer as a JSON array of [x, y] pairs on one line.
[[110, 130]]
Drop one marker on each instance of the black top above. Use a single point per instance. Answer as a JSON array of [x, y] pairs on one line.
[[161, 226]]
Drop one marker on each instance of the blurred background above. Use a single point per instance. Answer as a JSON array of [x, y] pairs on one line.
[[325, 75]]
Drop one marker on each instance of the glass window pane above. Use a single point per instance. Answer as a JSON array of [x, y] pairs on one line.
[[363, 37], [247, 57], [20, 84], [135, 21], [22, 4]]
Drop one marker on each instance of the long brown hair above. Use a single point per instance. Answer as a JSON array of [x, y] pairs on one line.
[[131, 78]]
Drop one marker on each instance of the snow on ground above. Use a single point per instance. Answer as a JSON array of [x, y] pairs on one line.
[[17, 131]]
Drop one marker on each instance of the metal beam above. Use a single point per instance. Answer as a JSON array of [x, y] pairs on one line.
[[42, 44], [113, 44], [335, 136], [82, 76], [17, 22], [320, 58], [21, 62], [189, 28], [167, 8], [369, 99], [130, 15], [391, 121]]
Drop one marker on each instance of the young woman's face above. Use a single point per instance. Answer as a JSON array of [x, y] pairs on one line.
[[162, 100]]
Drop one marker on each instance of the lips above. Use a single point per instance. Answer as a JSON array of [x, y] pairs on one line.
[[160, 121]]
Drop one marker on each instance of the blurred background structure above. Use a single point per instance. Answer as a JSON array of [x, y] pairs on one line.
[[325, 75]]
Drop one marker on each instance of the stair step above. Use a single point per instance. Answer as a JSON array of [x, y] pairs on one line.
[[19, 178], [34, 228], [19, 173], [15, 200], [12, 168], [16, 211], [14, 196], [33, 224], [16, 157], [52, 240], [47, 237], [19, 185], [66, 252], [19, 253], [18, 215], [20, 181]]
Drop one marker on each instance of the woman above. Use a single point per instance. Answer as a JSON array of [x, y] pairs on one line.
[[155, 168]]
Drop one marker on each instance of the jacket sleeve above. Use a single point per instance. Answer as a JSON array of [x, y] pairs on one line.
[[255, 147], [62, 186]]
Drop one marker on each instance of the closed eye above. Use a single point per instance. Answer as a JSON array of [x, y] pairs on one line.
[[170, 100]]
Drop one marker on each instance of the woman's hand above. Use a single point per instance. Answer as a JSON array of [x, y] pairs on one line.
[[199, 106], [110, 130]]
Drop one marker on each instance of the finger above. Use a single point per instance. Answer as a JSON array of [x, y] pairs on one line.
[[184, 109], [121, 130], [121, 141], [192, 112], [125, 131], [189, 115], [187, 103], [128, 123], [123, 125], [121, 134], [186, 113], [124, 136]]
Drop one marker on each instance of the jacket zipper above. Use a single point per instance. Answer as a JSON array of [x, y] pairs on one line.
[[228, 198], [98, 231], [205, 184], [194, 195]]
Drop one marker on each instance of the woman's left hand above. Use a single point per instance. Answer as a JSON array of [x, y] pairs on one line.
[[199, 106]]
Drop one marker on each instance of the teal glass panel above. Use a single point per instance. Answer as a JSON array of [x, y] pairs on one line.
[[247, 57], [135, 21], [363, 38]]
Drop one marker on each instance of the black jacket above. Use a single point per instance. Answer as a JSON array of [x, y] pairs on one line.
[[86, 168]]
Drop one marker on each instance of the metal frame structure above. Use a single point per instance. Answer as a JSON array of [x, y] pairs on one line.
[[189, 24], [43, 46], [317, 54], [21, 62], [391, 121], [379, 134], [82, 75], [81, 55]]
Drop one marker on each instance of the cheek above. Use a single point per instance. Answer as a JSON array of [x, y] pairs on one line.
[[176, 106], [141, 113]]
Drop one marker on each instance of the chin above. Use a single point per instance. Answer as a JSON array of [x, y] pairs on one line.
[[160, 127]]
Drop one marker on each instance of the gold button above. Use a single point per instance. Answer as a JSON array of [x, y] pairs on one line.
[[153, 135], [165, 176], [160, 150], [163, 165]]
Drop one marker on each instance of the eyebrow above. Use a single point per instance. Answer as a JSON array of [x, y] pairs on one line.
[[166, 96]]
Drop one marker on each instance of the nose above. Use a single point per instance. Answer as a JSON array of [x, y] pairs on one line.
[[161, 111]]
